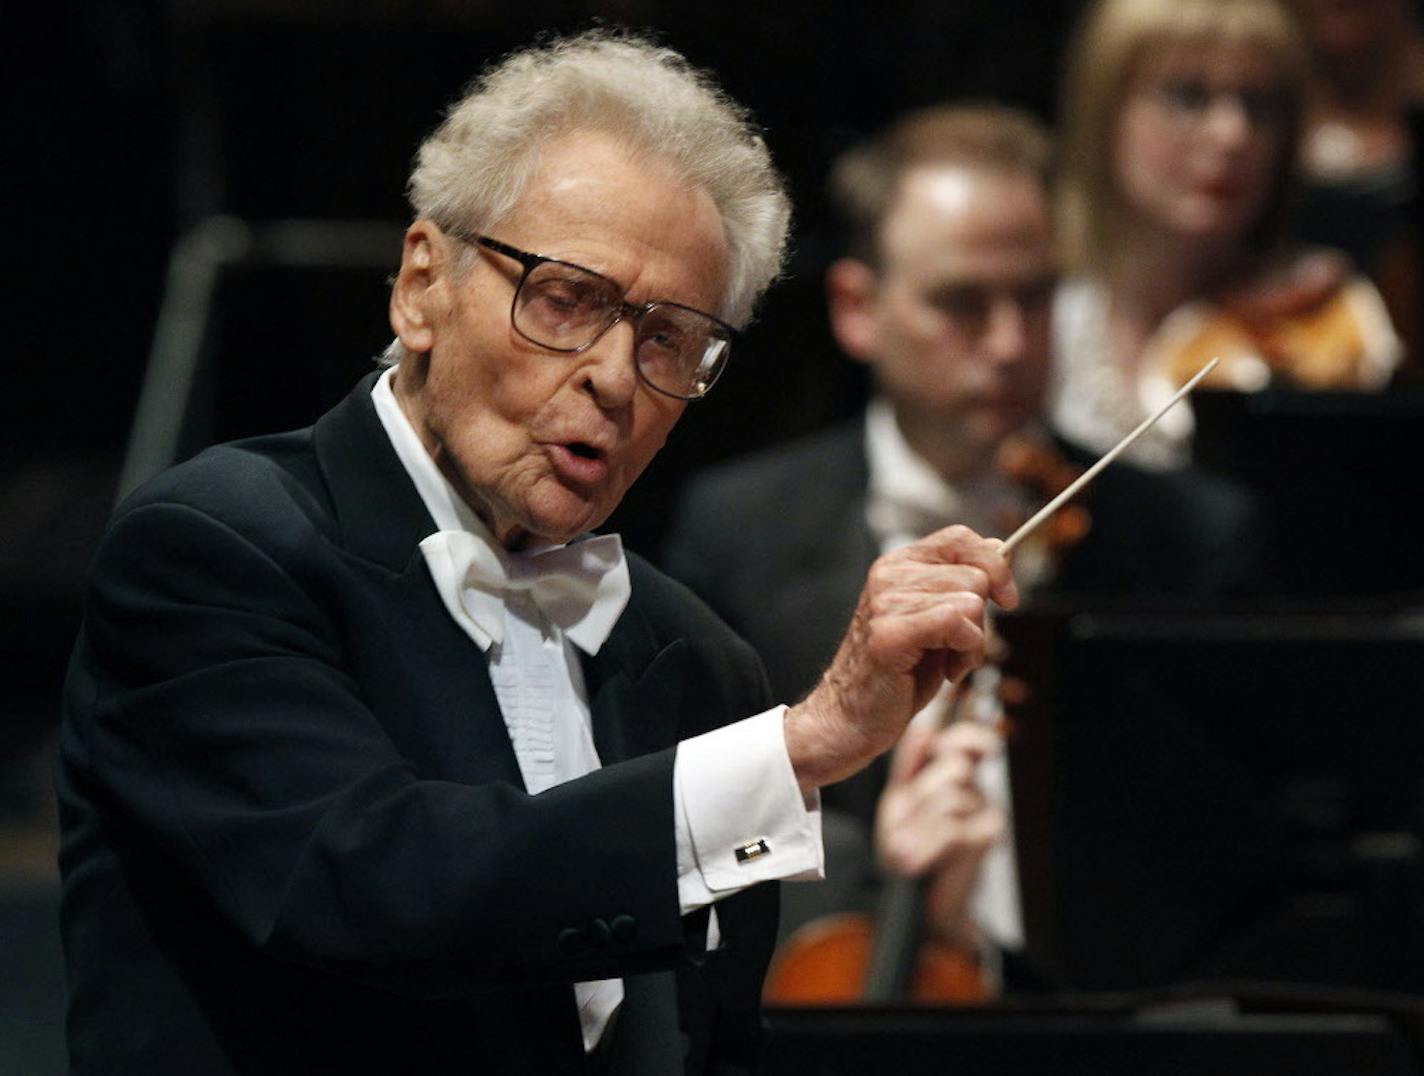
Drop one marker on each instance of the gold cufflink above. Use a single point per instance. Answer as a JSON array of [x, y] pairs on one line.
[[753, 850]]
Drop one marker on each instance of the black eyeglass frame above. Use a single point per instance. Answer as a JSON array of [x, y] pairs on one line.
[[632, 312]]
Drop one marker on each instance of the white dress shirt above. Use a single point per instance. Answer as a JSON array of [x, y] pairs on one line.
[[732, 787], [1095, 399], [906, 500]]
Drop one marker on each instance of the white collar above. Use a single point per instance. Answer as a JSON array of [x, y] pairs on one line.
[[898, 473], [445, 506]]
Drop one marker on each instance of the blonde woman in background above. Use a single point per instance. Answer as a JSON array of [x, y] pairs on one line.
[[1181, 128]]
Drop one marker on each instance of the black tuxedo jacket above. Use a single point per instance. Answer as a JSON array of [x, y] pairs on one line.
[[295, 838], [778, 544]]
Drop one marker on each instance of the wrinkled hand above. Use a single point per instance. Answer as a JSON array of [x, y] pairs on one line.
[[919, 621], [934, 821]]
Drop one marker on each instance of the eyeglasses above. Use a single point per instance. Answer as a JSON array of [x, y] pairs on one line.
[[558, 305], [1188, 101]]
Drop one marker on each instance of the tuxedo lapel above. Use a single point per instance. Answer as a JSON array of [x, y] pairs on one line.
[[465, 738], [453, 726], [377, 506], [635, 690]]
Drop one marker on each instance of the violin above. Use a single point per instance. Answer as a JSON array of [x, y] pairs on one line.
[[1307, 324], [832, 960], [1037, 465], [854, 958]]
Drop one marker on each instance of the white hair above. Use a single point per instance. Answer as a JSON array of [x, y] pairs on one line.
[[471, 172]]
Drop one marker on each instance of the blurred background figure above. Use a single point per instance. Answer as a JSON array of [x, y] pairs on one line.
[[1181, 125], [944, 293], [1361, 154]]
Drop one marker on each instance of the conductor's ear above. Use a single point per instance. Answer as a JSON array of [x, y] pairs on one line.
[[420, 293]]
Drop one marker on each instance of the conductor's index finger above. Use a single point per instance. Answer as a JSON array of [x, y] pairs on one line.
[[958, 544]]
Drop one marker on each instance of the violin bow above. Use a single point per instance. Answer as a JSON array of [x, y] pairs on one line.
[[1087, 476]]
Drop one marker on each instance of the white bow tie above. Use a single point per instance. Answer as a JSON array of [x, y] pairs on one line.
[[582, 588]]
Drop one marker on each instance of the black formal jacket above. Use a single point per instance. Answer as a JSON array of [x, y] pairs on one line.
[[295, 837], [778, 544]]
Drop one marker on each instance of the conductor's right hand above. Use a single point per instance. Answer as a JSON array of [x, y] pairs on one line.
[[919, 621]]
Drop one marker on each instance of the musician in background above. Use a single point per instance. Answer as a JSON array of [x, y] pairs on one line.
[[945, 293], [1362, 155], [1181, 128]]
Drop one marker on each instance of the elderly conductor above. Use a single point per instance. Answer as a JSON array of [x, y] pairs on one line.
[[374, 761]]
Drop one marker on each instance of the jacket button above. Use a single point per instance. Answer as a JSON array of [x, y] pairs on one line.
[[572, 940], [598, 932], [625, 929]]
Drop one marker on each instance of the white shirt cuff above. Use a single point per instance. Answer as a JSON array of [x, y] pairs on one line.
[[741, 817]]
